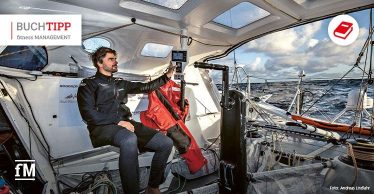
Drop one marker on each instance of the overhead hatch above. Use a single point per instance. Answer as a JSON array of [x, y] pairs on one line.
[[241, 15], [171, 4], [156, 50]]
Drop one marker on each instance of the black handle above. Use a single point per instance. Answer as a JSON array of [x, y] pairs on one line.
[[210, 66]]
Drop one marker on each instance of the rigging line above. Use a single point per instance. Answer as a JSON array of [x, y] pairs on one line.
[[23, 116], [30, 142], [208, 44], [32, 114], [362, 70], [327, 91], [326, 116], [98, 33], [363, 87], [205, 149], [235, 64], [236, 71], [295, 24], [40, 129], [361, 96], [261, 113], [238, 78], [234, 75], [366, 44], [41, 132]]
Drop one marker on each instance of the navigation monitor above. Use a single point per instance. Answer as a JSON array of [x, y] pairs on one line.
[[179, 56]]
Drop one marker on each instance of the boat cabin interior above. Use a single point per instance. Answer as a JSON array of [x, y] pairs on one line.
[[40, 119]]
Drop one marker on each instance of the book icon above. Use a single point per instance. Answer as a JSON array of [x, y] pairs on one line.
[[343, 30]]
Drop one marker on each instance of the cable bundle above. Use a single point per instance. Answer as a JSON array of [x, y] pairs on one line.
[[91, 183]]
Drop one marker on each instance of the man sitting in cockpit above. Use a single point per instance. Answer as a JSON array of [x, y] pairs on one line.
[[101, 101]]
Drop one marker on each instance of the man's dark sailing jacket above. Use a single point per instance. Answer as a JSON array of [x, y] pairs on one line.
[[102, 99]]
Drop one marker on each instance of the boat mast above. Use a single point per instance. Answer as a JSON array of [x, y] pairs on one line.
[[299, 96]]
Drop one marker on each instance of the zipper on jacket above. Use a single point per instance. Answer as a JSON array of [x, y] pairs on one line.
[[116, 95]]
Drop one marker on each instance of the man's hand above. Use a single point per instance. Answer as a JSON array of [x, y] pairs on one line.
[[170, 71], [127, 125]]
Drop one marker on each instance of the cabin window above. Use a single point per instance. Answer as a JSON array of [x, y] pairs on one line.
[[172, 4], [241, 15], [32, 58], [156, 50], [90, 45]]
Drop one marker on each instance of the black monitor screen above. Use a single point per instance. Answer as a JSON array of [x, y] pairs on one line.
[[179, 56]]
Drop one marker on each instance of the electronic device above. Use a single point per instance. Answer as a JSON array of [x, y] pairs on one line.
[[178, 56]]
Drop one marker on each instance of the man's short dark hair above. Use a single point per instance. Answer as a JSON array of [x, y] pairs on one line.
[[99, 55]]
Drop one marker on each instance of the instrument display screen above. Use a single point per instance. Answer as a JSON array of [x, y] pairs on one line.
[[179, 56]]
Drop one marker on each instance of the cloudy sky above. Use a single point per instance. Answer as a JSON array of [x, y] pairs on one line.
[[280, 56]]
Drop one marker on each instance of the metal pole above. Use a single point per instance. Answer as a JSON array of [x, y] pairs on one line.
[[225, 89], [183, 84], [299, 101], [184, 46]]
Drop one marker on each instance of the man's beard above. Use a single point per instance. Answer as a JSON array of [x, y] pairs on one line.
[[112, 69]]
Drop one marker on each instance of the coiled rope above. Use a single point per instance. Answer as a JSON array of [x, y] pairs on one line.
[[361, 151], [352, 155]]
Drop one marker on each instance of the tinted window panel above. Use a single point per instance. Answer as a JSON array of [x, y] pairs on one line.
[[24, 57]]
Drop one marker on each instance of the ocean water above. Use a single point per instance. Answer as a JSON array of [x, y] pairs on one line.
[[327, 106]]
